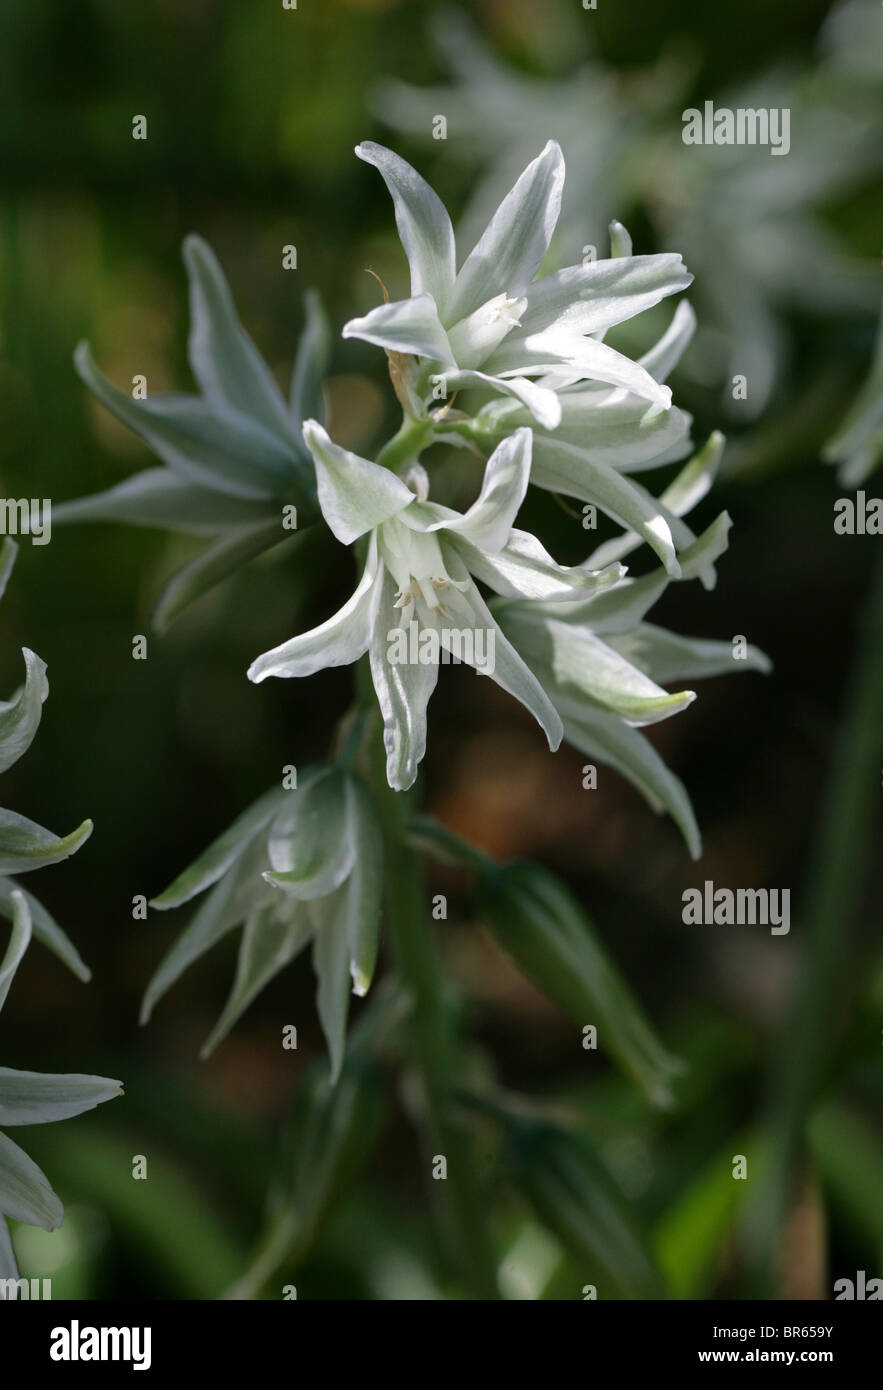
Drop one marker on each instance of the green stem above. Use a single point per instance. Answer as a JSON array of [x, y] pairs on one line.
[[843, 840], [405, 444], [462, 1216]]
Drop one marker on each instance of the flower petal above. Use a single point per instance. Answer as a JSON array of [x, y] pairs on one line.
[[159, 497], [424, 225], [19, 940], [25, 1194], [309, 847], [19, 718], [310, 364], [44, 927], [224, 450], [331, 962], [39, 1098], [564, 468], [225, 361], [339, 641], [8, 552], [542, 404], [667, 352], [355, 495], [223, 852], [587, 357], [24, 845], [667, 656], [592, 298], [403, 693], [602, 735], [512, 246], [269, 943], [523, 569], [489, 520], [406, 325]]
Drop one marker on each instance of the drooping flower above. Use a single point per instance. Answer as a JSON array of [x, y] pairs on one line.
[[490, 323], [301, 866], [235, 467], [419, 575], [24, 845], [33, 1098]]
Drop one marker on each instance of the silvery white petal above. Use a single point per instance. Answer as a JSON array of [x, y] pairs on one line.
[[225, 361], [489, 520], [592, 298], [543, 405], [599, 734], [269, 942], [25, 1193], [667, 352], [355, 494], [19, 939], [523, 569], [424, 225], [339, 641], [512, 246], [39, 1098], [406, 325], [556, 347], [562, 468], [403, 693], [310, 848], [19, 718], [667, 656]]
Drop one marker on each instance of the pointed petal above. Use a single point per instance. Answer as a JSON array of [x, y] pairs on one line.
[[523, 569], [563, 468], [363, 899], [403, 693], [509, 671], [406, 325], [159, 497], [8, 552], [8, 1266], [666, 656], [339, 641], [39, 1098], [25, 1194], [665, 354], [355, 495], [543, 405], [489, 520], [20, 718], [269, 943], [592, 298], [223, 852], [44, 927], [511, 249], [311, 363], [19, 940], [24, 845], [309, 848], [226, 451], [228, 904], [575, 663], [424, 226], [586, 357], [225, 362], [604, 736]]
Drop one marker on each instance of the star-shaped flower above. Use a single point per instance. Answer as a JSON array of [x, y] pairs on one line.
[[419, 575]]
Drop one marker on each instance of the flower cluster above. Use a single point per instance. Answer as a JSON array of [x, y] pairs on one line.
[[32, 1098], [542, 399]]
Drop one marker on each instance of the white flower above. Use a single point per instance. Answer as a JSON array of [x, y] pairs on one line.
[[419, 567], [490, 323]]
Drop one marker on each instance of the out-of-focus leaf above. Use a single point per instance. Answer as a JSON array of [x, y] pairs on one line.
[[576, 1198], [537, 921], [44, 927], [213, 565], [25, 1194]]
